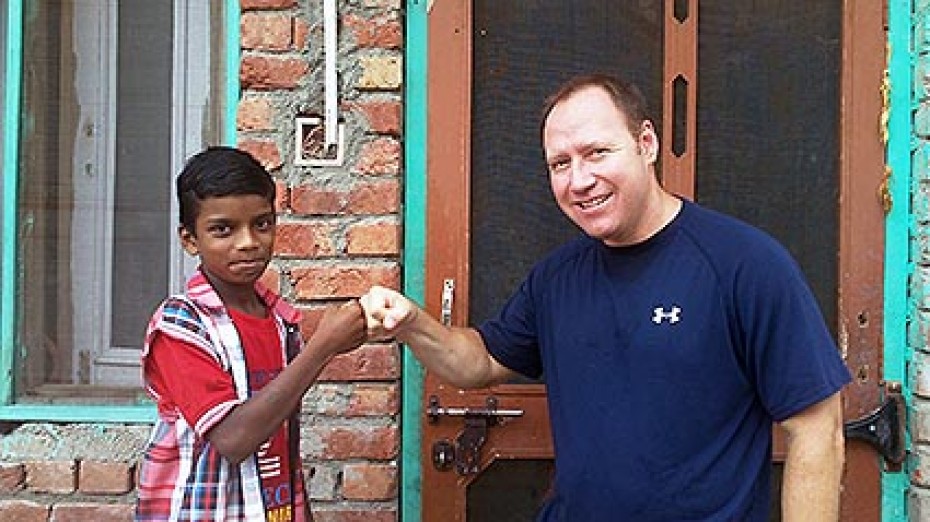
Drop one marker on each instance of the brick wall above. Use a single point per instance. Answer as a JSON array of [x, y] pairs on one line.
[[340, 232], [339, 226], [919, 324]]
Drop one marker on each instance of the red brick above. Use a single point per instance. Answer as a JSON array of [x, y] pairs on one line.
[[23, 511], [254, 114], [373, 239], [354, 515], [310, 199], [305, 240], [301, 34], [282, 197], [381, 32], [58, 477], [383, 116], [263, 73], [12, 477], [271, 279], [266, 31], [374, 400], [266, 152], [378, 158], [84, 512], [266, 4], [375, 362], [369, 482], [377, 197], [358, 443], [345, 281], [105, 478]]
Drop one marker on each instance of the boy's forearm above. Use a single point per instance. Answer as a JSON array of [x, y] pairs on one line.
[[253, 422]]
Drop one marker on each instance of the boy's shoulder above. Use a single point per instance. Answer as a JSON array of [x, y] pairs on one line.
[[178, 312]]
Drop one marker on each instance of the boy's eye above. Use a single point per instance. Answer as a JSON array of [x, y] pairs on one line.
[[219, 229], [264, 224]]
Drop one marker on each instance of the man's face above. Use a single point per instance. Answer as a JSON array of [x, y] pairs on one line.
[[602, 175], [234, 237]]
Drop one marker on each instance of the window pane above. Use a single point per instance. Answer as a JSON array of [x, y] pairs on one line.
[[99, 150], [143, 166]]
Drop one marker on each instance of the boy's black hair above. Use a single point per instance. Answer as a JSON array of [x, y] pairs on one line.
[[216, 172]]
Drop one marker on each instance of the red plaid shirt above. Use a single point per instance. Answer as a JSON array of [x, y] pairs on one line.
[[182, 477]]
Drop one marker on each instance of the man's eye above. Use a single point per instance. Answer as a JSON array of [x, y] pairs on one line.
[[558, 166]]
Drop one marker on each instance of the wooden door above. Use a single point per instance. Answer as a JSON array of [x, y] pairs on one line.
[[777, 109]]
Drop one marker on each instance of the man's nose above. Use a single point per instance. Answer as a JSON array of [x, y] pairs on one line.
[[582, 175]]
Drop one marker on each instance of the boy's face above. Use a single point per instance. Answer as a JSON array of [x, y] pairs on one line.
[[234, 237]]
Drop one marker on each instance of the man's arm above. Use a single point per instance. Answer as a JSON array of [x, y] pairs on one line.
[[814, 467], [456, 355]]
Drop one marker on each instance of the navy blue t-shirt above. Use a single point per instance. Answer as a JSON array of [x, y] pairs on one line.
[[665, 365]]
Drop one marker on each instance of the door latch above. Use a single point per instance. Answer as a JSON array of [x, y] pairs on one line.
[[465, 453], [884, 427]]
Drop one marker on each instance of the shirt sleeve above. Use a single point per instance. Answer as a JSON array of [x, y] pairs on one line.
[[511, 337], [188, 379], [792, 357]]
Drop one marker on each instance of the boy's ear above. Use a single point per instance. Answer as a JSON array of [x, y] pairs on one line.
[[188, 240]]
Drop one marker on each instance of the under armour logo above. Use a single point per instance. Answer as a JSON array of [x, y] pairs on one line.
[[659, 314]]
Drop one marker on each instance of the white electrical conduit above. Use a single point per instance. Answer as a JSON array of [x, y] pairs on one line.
[[330, 87]]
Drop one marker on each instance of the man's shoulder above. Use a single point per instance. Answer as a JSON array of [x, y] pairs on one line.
[[727, 238]]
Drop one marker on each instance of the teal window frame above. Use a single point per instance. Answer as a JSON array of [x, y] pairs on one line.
[[12, 102]]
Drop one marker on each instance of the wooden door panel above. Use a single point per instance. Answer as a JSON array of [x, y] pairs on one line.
[[465, 65]]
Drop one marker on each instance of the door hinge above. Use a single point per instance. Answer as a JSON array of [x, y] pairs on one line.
[[883, 428]]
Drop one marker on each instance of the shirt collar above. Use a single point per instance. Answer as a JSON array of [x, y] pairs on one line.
[[202, 293]]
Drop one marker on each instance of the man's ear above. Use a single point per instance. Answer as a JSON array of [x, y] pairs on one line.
[[649, 142], [188, 240]]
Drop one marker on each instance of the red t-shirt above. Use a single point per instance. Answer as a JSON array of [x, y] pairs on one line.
[[188, 378]]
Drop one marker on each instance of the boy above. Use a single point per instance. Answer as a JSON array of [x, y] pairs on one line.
[[223, 361]]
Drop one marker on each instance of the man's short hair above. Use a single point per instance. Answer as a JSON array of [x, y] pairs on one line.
[[219, 171], [625, 95]]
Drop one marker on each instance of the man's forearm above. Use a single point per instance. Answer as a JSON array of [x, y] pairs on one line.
[[455, 355]]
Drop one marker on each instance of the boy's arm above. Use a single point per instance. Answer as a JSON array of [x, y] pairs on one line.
[[251, 423], [456, 355]]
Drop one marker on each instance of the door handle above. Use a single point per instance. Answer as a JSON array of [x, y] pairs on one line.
[[883, 428], [464, 454]]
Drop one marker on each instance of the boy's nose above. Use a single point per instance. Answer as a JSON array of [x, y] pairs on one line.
[[246, 239]]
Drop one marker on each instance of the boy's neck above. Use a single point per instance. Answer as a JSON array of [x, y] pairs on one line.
[[255, 309], [240, 298]]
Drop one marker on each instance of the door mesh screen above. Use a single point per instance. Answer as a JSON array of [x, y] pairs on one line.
[[768, 125], [522, 52]]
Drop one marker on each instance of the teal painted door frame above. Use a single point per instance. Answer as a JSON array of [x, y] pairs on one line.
[[897, 230]]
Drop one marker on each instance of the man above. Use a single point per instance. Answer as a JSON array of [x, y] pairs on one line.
[[669, 337]]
